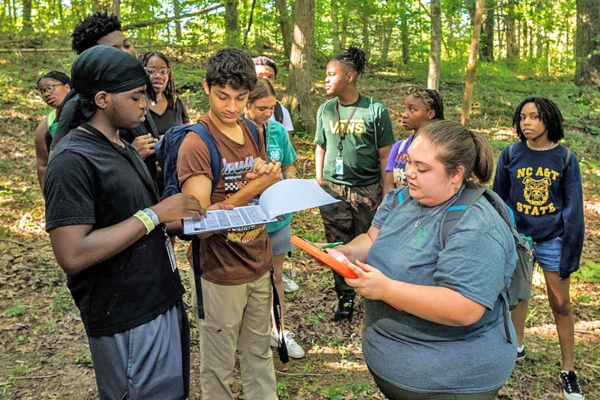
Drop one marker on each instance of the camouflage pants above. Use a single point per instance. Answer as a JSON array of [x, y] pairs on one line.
[[350, 217]]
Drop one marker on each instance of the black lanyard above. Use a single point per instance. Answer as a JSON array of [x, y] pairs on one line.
[[136, 162], [340, 145]]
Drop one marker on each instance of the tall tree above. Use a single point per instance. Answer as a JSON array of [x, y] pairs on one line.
[[487, 36], [297, 96], [512, 47], [335, 27], [284, 23], [232, 35], [435, 52], [116, 7], [472, 65], [587, 43]]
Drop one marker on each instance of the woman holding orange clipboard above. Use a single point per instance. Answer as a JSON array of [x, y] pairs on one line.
[[450, 340]]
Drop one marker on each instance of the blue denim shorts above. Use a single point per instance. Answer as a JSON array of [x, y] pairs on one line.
[[547, 254], [280, 240]]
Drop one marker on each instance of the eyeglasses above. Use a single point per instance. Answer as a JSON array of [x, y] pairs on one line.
[[162, 71], [50, 88]]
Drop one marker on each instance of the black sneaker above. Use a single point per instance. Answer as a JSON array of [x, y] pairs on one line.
[[345, 309], [571, 388], [520, 354]]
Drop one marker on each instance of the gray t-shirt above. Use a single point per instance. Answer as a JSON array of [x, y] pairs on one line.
[[477, 262]]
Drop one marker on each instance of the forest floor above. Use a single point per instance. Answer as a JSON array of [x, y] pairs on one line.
[[44, 352]]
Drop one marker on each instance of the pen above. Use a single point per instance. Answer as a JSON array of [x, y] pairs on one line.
[[332, 245]]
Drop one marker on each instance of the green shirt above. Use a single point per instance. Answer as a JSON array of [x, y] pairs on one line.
[[279, 148], [360, 157]]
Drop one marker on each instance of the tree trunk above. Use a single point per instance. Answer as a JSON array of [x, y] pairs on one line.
[[284, 22], [511, 39], [487, 36], [366, 46], [27, 16], [297, 97], [177, 12], [335, 27], [344, 32], [587, 43], [435, 52], [385, 45], [404, 36], [116, 7], [472, 65], [232, 37]]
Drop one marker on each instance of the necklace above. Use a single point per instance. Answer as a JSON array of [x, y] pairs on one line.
[[419, 220], [552, 145]]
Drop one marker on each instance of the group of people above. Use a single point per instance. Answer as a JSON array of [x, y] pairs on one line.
[[429, 307], [451, 294]]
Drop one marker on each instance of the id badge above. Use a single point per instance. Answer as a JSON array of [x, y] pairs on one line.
[[339, 166], [171, 252]]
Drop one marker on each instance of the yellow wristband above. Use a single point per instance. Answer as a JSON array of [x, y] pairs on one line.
[[146, 220]]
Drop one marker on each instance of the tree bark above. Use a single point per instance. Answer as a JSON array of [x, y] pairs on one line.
[[232, 36], [487, 36], [435, 51], [298, 95], [335, 27], [116, 7], [587, 43], [284, 22], [512, 50], [27, 16], [404, 36], [472, 65], [177, 12]]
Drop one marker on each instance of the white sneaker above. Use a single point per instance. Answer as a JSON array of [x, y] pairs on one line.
[[293, 348], [289, 286]]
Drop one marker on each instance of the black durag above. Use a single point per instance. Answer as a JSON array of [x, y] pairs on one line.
[[105, 68]]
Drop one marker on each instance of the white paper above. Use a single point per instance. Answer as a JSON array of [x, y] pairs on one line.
[[286, 196]]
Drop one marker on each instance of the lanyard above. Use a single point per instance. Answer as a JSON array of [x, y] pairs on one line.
[[340, 145]]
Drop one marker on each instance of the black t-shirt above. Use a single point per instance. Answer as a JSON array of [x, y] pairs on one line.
[[90, 180]]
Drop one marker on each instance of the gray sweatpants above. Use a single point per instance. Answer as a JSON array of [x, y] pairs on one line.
[[147, 362]]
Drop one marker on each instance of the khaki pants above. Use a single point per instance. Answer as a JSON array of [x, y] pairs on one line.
[[237, 318]]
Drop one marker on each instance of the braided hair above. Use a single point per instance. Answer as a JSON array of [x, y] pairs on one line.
[[170, 89], [354, 58], [431, 98]]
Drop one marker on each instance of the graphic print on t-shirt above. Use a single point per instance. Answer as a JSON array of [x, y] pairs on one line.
[[536, 190], [355, 126], [234, 177]]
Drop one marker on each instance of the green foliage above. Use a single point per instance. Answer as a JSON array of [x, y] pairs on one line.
[[588, 272], [62, 302], [17, 309], [83, 359]]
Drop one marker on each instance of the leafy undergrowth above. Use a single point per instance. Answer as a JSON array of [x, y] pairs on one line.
[[44, 349]]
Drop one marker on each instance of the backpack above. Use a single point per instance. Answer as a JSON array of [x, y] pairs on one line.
[[278, 113], [520, 284], [167, 151]]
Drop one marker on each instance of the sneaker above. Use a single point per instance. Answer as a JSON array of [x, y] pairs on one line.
[[345, 309], [520, 354], [289, 286], [571, 388], [293, 348]]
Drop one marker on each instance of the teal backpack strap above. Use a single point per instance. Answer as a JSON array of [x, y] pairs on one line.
[[467, 198]]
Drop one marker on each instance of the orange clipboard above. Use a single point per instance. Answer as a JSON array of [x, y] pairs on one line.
[[326, 259], [323, 257]]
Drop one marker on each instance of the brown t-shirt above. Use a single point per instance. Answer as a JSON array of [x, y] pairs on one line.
[[239, 255]]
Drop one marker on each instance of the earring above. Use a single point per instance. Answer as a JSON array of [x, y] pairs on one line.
[[456, 188]]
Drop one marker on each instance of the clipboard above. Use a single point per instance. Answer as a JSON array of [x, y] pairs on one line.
[[326, 259], [323, 257]]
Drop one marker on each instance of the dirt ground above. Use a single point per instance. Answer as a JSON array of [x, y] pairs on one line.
[[45, 354]]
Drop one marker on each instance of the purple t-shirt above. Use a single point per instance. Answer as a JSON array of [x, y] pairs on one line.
[[397, 159]]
